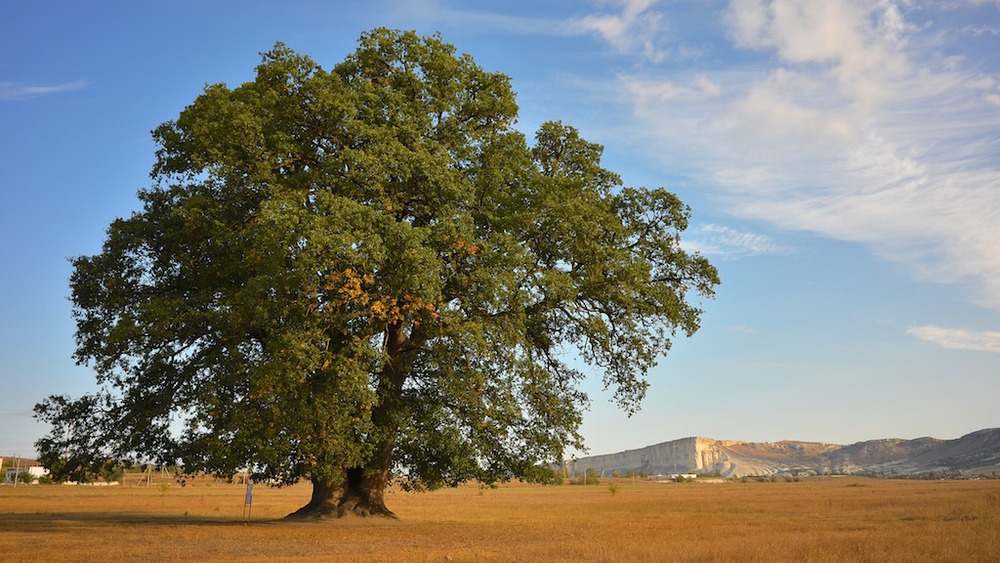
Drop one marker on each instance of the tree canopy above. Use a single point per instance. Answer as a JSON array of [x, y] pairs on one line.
[[368, 273]]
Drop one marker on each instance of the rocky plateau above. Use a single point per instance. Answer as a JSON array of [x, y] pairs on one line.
[[977, 453]]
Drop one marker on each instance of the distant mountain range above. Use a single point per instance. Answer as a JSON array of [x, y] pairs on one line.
[[977, 453]]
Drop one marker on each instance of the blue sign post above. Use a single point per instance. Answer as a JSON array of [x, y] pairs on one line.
[[248, 501]]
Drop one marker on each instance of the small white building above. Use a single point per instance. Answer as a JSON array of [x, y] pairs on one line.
[[36, 471]]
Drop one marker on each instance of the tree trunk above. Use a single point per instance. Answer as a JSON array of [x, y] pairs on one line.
[[323, 503], [362, 493], [365, 494]]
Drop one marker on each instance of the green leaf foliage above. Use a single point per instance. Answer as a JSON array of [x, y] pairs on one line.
[[369, 267]]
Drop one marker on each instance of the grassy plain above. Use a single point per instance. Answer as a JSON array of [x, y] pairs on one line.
[[817, 519]]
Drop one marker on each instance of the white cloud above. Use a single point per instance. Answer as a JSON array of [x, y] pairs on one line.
[[630, 27], [855, 42], [989, 85], [444, 13], [636, 28], [709, 87], [958, 339], [979, 30], [982, 82], [22, 91], [728, 243], [851, 124], [770, 110], [645, 92]]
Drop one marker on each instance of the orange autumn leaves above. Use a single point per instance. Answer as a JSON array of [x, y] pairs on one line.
[[461, 245], [354, 288]]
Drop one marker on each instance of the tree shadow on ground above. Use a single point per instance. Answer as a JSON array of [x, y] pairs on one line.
[[47, 521]]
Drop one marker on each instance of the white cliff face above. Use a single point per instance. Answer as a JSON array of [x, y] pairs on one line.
[[711, 457], [687, 455], [678, 456], [979, 451]]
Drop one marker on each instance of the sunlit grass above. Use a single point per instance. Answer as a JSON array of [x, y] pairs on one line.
[[814, 520]]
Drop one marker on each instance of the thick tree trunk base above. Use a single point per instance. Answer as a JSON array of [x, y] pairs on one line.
[[344, 509], [354, 498]]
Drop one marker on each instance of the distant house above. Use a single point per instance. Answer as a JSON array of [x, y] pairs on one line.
[[36, 471]]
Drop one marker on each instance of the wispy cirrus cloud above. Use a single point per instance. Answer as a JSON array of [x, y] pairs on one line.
[[629, 27], [645, 92], [958, 339], [23, 91], [729, 243], [444, 12], [979, 30], [851, 122]]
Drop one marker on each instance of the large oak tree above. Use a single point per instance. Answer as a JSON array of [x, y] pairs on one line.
[[366, 274]]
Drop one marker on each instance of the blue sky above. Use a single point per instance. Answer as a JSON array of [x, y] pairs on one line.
[[842, 159]]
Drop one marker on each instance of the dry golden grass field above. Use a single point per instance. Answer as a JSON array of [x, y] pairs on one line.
[[817, 519]]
